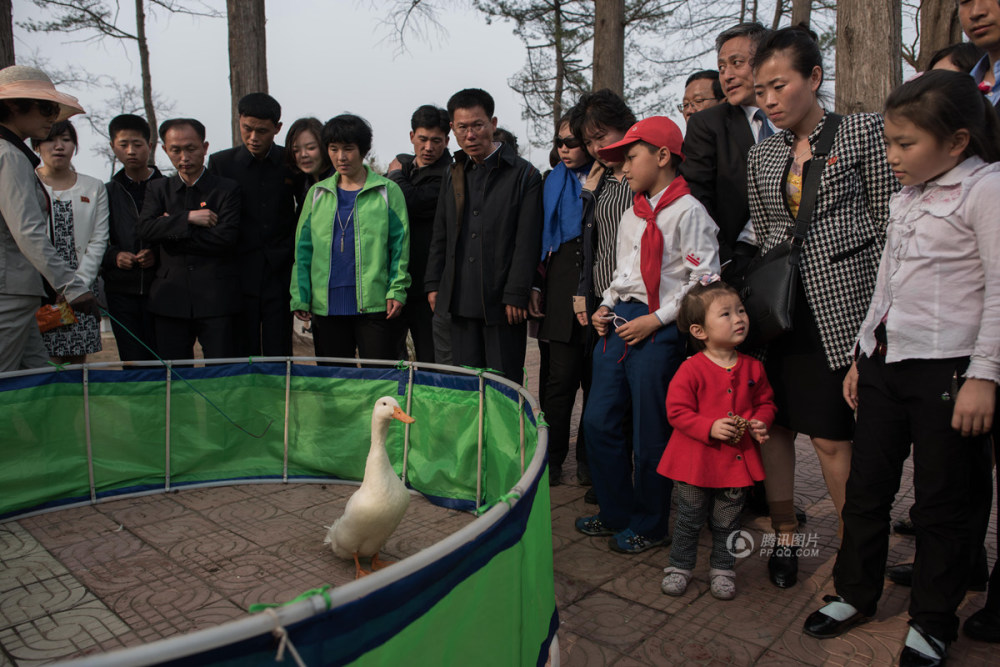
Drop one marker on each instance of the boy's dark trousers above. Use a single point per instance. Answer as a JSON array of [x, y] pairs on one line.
[[899, 403], [640, 501]]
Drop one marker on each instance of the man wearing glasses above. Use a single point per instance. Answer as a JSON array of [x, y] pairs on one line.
[[486, 242], [701, 91]]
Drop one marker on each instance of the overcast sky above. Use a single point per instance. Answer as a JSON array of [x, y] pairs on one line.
[[325, 57]]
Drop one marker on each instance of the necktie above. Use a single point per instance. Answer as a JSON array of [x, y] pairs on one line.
[[765, 128], [651, 245]]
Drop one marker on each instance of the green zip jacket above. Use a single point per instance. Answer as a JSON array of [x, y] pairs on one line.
[[381, 246]]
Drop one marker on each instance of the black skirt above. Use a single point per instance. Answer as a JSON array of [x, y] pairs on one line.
[[809, 396]]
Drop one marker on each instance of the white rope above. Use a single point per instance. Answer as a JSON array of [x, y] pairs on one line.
[[283, 641]]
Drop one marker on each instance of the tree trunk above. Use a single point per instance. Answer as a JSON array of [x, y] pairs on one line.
[[560, 64], [801, 12], [6, 34], [939, 27], [869, 41], [743, 11], [779, 11], [247, 53], [609, 45], [147, 80]]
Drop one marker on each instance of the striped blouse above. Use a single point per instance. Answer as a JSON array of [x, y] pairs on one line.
[[614, 199]]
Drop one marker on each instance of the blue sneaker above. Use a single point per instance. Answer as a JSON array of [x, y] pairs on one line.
[[628, 542], [593, 526]]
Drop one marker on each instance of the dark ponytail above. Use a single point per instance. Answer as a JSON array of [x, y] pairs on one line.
[[942, 103]]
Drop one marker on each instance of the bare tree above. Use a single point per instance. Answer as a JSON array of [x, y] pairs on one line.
[[6, 34], [801, 12], [99, 21], [609, 45], [869, 42], [937, 26], [247, 53]]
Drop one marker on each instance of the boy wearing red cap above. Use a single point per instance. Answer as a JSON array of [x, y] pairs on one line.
[[666, 241]]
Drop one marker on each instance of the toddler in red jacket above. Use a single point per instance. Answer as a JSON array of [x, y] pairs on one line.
[[720, 406]]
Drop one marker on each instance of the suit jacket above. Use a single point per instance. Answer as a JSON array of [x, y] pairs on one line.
[[267, 216], [198, 274], [844, 243], [511, 240], [26, 253], [716, 146]]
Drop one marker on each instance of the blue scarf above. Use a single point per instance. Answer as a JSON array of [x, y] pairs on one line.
[[562, 207]]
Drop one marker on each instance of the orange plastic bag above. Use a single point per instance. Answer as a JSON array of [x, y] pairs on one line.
[[51, 316]]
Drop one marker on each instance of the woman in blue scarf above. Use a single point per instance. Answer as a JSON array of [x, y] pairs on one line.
[[560, 339]]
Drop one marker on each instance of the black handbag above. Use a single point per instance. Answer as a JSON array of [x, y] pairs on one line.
[[772, 278]]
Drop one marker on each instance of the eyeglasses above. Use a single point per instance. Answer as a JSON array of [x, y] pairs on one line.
[[568, 142], [695, 103], [47, 108], [462, 130]]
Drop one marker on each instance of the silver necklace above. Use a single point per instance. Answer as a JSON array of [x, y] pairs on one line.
[[343, 226]]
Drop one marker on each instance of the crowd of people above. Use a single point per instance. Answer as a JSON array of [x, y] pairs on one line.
[[629, 260]]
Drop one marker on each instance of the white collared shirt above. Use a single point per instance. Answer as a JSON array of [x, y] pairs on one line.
[[690, 250], [938, 283]]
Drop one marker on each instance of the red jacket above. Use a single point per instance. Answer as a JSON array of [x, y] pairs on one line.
[[700, 392]]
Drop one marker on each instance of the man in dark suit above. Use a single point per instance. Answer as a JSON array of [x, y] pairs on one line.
[[267, 227], [194, 216], [486, 241], [419, 176], [716, 145]]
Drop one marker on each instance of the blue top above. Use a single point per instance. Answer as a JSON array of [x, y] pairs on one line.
[[979, 72], [343, 295]]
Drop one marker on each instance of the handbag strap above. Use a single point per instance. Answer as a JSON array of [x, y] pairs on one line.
[[810, 188]]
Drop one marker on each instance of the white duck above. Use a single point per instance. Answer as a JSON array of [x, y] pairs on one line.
[[374, 510]]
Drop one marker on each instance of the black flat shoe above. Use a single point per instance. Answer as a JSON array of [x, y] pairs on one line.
[[913, 658], [590, 497], [903, 527], [821, 626], [783, 567], [583, 477], [555, 477], [983, 626], [902, 575]]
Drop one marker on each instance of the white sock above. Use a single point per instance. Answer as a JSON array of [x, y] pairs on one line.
[[839, 611], [915, 641]]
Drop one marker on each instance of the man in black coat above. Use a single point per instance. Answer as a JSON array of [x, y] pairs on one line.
[[486, 243], [419, 176], [129, 265], [717, 143], [194, 217], [267, 227]]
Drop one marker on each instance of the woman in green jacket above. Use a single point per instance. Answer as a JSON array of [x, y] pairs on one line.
[[352, 248]]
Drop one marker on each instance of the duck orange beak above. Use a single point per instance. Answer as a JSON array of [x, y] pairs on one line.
[[397, 413]]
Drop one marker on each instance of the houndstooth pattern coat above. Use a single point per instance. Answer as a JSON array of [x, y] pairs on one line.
[[844, 243]]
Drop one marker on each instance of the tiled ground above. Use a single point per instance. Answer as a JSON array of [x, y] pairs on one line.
[[92, 579]]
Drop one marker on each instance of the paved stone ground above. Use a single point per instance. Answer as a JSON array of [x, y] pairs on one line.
[[131, 571]]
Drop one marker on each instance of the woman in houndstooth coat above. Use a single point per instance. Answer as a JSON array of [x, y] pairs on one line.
[[839, 264]]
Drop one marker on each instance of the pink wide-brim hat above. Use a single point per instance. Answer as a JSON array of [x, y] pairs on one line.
[[18, 81]]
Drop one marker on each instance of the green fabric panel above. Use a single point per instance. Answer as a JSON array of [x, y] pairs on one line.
[[205, 446], [127, 433], [503, 454], [43, 456], [443, 456], [330, 426], [498, 616]]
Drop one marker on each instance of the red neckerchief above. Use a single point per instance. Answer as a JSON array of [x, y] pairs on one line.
[[651, 249]]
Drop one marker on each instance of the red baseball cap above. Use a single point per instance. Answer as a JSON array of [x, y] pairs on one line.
[[659, 131]]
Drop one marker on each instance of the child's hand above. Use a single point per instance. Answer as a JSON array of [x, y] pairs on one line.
[[973, 414], [637, 330], [597, 319], [758, 431], [723, 429], [851, 386]]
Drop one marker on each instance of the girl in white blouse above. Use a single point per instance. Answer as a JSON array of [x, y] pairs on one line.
[[78, 215], [928, 364]]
